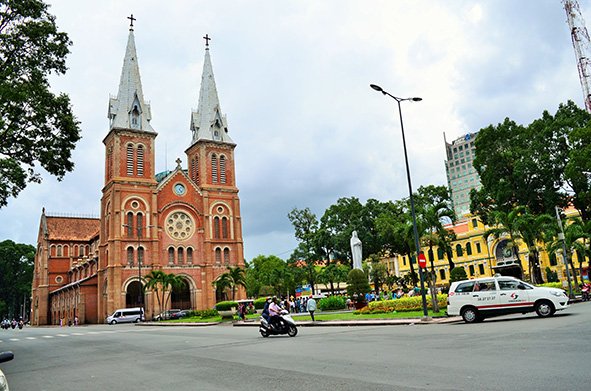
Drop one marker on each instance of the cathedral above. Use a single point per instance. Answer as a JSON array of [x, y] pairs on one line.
[[185, 221]]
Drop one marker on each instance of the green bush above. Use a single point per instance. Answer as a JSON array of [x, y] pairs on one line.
[[457, 274], [414, 303], [203, 314], [332, 303], [259, 303], [357, 283], [226, 305], [552, 285], [550, 275]]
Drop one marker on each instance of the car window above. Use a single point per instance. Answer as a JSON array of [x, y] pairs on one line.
[[508, 285], [485, 286], [465, 287]]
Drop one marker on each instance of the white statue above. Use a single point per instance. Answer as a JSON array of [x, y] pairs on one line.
[[356, 251]]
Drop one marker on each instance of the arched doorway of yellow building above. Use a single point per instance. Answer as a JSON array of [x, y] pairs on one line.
[[506, 261]]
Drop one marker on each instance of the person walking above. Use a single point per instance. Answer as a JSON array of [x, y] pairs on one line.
[[311, 307]]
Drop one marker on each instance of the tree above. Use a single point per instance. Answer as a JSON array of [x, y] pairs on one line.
[[457, 274], [268, 271], [232, 279], [305, 225], [333, 273], [36, 126], [162, 284], [357, 284], [575, 237], [16, 276]]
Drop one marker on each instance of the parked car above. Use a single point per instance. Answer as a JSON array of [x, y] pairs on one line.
[[126, 315], [180, 314], [486, 297], [165, 315], [4, 356]]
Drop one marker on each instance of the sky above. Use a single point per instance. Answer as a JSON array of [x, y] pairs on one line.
[[293, 79]]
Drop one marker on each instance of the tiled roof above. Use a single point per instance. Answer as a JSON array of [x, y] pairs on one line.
[[72, 228]]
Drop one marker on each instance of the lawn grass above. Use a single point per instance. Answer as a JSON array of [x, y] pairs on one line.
[[322, 316]]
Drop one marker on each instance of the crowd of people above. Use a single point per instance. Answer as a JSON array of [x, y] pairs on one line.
[[12, 324]]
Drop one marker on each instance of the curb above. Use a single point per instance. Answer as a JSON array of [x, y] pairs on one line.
[[355, 323]]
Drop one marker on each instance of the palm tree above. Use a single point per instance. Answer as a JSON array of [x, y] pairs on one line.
[[532, 230], [234, 277], [506, 225], [162, 283], [575, 240]]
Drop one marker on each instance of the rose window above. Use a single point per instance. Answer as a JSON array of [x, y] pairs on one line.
[[179, 226]]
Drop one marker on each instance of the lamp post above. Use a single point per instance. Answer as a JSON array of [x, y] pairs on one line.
[[412, 204]]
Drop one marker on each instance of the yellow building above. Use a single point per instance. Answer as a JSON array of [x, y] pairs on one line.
[[481, 258]]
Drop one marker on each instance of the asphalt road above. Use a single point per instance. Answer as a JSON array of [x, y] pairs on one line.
[[508, 353]]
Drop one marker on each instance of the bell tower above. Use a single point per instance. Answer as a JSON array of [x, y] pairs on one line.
[[211, 163], [128, 203]]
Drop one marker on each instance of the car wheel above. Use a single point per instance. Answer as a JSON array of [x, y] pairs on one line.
[[544, 309], [137, 320], [113, 322], [293, 331], [470, 315]]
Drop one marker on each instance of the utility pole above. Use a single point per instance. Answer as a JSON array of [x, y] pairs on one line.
[[564, 253]]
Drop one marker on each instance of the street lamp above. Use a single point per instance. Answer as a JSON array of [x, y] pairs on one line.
[[412, 203]]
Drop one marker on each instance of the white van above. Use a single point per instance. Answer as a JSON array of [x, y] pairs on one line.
[[486, 297], [126, 315]]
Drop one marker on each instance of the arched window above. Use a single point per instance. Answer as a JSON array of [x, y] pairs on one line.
[[140, 225], [66, 250], [140, 255], [140, 160], [216, 227], [222, 169], [468, 249], [430, 253], [130, 256], [195, 169], [75, 250], [181, 255], [129, 224], [129, 160], [224, 228], [459, 250], [218, 255], [190, 255], [170, 255], [439, 253], [59, 250], [52, 250], [135, 117], [227, 256], [214, 168]]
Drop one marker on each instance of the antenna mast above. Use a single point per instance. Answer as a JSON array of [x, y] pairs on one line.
[[582, 45]]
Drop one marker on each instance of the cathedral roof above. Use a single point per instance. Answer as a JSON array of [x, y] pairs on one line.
[[72, 228], [129, 110], [208, 122]]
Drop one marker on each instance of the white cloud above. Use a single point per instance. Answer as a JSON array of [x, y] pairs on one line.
[[293, 79]]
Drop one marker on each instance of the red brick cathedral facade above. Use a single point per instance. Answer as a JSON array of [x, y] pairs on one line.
[[184, 221]]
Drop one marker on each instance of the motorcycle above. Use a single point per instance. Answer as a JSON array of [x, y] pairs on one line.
[[20, 324], [4, 356], [585, 292], [13, 324], [286, 325]]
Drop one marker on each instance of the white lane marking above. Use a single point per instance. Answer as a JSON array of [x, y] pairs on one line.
[[31, 337], [77, 334], [14, 339], [48, 336], [62, 335]]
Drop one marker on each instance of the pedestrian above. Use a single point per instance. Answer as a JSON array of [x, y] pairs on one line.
[[311, 307], [76, 320]]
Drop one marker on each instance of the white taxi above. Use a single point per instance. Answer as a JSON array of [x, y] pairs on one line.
[[486, 297]]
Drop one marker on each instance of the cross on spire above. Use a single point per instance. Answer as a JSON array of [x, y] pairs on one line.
[[131, 19], [207, 39]]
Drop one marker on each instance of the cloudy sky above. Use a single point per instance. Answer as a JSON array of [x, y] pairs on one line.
[[293, 79]]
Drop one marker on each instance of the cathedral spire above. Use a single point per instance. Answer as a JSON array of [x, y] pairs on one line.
[[129, 110], [208, 122]]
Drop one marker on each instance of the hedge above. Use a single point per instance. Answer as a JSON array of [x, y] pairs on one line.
[[259, 303], [332, 303], [226, 305], [414, 303], [552, 285]]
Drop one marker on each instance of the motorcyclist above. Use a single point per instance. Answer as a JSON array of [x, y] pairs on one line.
[[274, 312], [265, 313]]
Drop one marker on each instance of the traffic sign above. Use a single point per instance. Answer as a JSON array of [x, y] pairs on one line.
[[422, 261]]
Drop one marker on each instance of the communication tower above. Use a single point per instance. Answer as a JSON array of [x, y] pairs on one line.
[[582, 45]]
